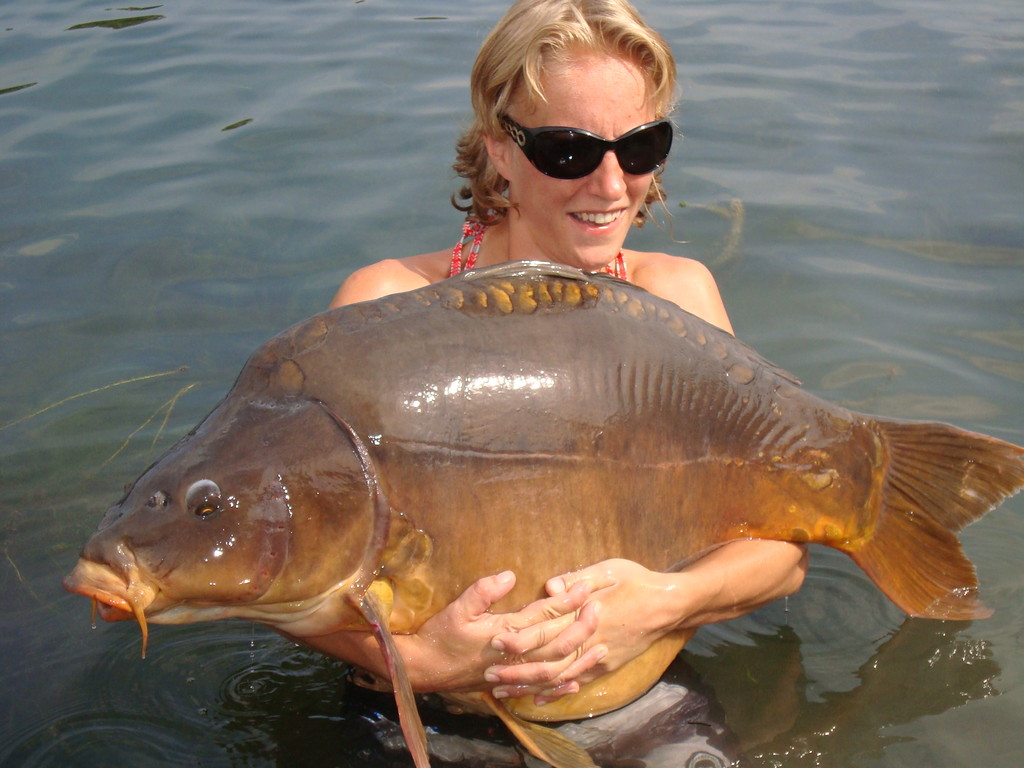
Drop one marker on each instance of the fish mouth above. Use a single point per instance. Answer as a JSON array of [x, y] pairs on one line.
[[114, 596]]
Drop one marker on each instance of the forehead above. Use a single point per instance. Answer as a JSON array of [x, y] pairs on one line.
[[597, 92]]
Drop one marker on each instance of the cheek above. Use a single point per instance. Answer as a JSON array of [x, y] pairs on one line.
[[233, 564], [638, 187], [541, 194]]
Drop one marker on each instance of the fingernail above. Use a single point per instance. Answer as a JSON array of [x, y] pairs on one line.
[[498, 693], [498, 645], [505, 577], [491, 676], [551, 694]]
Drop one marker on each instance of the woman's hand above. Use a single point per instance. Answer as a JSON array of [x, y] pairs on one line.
[[594, 621], [454, 649], [633, 613], [638, 606]]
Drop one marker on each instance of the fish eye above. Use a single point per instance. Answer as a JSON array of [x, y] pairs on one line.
[[203, 498]]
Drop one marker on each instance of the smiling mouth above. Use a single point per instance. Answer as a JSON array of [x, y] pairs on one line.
[[598, 218]]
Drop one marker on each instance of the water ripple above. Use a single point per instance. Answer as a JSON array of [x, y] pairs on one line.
[[219, 694], [99, 738]]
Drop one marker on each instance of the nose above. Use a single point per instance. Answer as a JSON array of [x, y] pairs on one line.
[[608, 180]]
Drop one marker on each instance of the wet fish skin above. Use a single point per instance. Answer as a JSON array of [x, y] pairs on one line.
[[532, 418]]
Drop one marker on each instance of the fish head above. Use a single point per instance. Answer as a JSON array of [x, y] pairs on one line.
[[263, 512]]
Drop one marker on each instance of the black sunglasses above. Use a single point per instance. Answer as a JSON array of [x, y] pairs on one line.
[[572, 153]]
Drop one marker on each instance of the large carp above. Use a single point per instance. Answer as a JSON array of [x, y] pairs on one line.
[[373, 461]]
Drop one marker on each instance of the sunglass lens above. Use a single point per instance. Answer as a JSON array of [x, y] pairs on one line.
[[645, 150], [566, 154]]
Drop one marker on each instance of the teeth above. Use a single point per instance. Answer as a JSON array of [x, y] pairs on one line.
[[598, 218]]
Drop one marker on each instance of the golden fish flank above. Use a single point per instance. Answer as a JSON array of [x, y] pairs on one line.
[[404, 442]]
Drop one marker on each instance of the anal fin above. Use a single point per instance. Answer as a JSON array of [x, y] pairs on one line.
[[542, 741]]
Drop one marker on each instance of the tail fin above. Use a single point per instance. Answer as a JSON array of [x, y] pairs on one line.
[[939, 480]]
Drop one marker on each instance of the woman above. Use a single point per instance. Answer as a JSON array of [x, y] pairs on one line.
[[569, 196]]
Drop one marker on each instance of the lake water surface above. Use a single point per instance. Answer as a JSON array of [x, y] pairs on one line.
[[179, 182]]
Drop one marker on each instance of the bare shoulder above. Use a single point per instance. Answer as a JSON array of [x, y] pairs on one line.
[[383, 278], [685, 282]]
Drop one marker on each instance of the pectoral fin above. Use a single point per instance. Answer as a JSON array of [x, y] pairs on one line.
[[543, 742], [376, 608]]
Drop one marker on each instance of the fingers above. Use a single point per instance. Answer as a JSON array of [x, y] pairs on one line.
[[545, 680], [598, 576], [533, 626], [541, 649], [553, 694], [550, 669], [572, 673], [555, 638], [483, 593]]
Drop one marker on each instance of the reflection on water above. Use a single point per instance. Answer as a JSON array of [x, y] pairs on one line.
[[777, 725], [178, 182], [128, 21], [971, 254]]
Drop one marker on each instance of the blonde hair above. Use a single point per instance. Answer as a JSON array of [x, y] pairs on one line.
[[531, 34]]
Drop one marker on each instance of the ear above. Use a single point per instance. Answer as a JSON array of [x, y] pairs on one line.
[[499, 149]]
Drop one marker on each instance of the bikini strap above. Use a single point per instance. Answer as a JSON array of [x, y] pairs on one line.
[[476, 230], [470, 229], [620, 268]]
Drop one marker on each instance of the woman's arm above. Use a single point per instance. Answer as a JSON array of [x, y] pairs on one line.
[[453, 649], [383, 278]]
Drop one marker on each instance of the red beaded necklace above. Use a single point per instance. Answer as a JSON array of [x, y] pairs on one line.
[[476, 230]]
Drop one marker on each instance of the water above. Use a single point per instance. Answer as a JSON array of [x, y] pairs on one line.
[[178, 185]]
